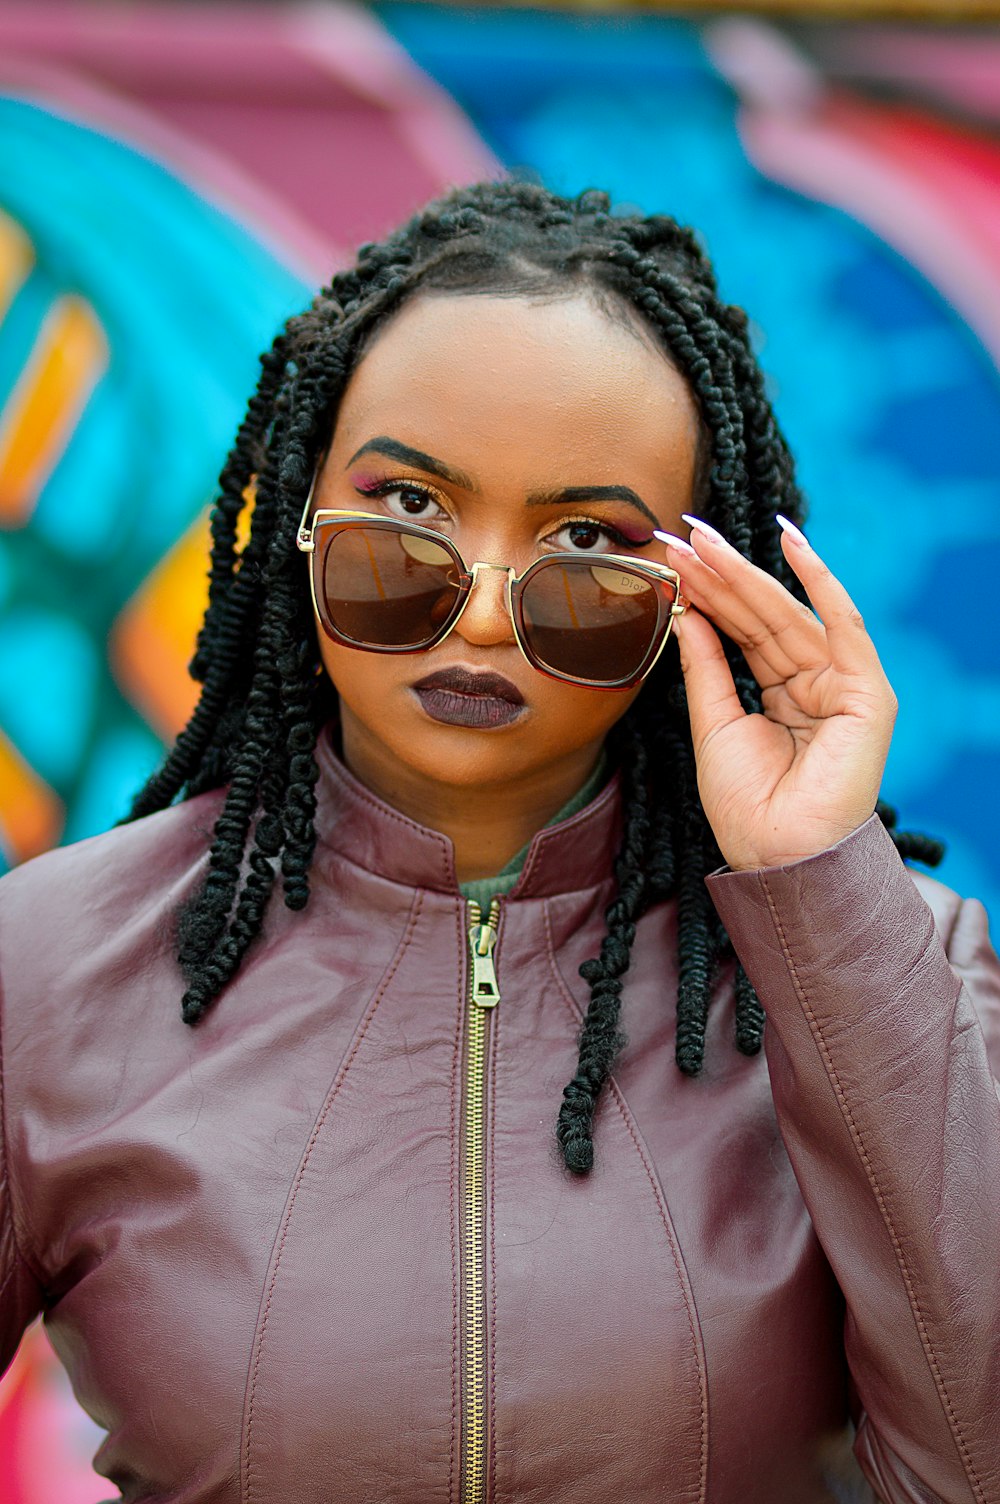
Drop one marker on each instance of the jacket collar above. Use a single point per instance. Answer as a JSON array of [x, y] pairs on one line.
[[351, 821]]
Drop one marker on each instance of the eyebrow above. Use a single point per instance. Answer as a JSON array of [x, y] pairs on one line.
[[574, 495], [566, 496], [394, 450]]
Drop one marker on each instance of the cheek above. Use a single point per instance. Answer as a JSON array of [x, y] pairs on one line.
[[361, 677]]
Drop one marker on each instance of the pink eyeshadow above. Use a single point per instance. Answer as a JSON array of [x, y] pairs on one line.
[[364, 481]]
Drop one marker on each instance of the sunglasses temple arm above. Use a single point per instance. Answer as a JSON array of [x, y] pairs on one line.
[[304, 536]]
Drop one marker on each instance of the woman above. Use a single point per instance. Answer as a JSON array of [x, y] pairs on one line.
[[324, 1245]]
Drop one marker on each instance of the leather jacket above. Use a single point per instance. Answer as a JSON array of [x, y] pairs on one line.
[[312, 1251]]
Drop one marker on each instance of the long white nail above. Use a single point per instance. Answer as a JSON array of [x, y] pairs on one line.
[[796, 534], [681, 544], [706, 530]]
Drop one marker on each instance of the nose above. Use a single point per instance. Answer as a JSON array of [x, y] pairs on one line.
[[486, 622]]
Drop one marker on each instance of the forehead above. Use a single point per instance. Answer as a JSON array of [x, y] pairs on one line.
[[547, 390]]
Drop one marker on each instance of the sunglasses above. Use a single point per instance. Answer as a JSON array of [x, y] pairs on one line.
[[388, 586]]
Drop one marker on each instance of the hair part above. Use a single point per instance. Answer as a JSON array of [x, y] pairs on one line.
[[264, 699]]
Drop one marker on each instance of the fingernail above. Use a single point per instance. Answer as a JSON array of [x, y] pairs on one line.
[[679, 543], [796, 534], [706, 530]]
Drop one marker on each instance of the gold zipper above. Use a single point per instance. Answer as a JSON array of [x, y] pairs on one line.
[[483, 996]]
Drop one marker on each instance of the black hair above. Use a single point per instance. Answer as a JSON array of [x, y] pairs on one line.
[[263, 700]]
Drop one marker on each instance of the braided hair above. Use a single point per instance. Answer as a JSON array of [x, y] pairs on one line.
[[263, 701]]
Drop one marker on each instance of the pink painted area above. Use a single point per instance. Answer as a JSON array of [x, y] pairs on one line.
[[292, 239], [349, 42], [45, 1439], [309, 122]]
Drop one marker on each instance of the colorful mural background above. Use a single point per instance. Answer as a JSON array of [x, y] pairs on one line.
[[173, 181]]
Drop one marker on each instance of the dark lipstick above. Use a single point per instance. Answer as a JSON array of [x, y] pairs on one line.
[[461, 697]]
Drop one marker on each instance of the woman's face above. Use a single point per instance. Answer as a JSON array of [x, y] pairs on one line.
[[517, 427]]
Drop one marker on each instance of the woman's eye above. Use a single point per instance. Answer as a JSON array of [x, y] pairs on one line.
[[411, 502], [588, 537]]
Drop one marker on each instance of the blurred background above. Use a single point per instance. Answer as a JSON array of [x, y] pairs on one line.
[[176, 178]]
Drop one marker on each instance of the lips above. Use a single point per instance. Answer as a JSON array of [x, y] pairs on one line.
[[466, 681], [462, 697]]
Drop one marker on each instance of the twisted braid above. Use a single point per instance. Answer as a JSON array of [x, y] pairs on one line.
[[601, 1040], [264, 700], [222, 634]]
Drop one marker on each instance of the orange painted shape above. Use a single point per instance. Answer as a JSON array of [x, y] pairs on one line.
[[153, 638], [70, 356], [31, 815], [17, 257]]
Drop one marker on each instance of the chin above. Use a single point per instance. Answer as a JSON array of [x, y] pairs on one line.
[[461, 758]]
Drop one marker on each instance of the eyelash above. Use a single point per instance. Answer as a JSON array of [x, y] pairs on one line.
[[386, 487], [621, 540]]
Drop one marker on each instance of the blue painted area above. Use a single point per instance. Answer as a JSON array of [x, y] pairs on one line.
[[49, 670], [889, 401], [966, 590], [121, 760], [880, 291], [84, 512], [946, 433]]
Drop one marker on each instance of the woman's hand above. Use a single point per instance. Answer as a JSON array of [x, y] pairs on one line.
[[796, 779]]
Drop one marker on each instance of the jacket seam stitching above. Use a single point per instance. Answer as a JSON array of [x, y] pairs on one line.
[[384, 812], [816, 1029], [536, 867], [300, 1174], [682, 1281], [682, 1278]]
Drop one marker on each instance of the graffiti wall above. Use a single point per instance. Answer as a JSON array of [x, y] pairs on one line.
[[174, 182]]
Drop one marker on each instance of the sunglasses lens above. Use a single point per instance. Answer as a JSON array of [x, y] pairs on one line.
[[383, 588], [594, 622]]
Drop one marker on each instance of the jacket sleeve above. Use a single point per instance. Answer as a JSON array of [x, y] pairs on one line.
[[881, 1015], [21, 1295]]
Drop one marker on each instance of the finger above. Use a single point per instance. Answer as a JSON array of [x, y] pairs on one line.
[[849, 650], [850, 647], [758, 602], [768, 659], [711, 693], [777, 640]]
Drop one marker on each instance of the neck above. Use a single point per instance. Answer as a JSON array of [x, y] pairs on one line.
[[487, 824]]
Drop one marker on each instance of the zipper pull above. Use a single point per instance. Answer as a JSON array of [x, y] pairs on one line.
[[482, 938]]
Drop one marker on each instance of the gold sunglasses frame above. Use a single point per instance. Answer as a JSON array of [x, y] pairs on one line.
[[652, 573]]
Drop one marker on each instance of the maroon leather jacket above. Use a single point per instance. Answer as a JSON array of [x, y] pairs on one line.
[[276, 1271]]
